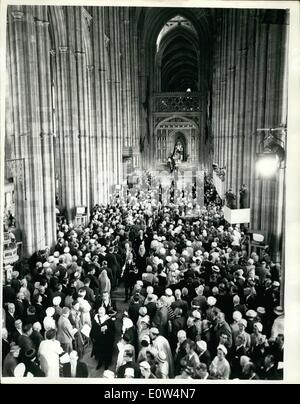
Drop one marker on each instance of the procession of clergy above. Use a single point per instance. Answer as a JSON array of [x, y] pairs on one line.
[[196, 305]]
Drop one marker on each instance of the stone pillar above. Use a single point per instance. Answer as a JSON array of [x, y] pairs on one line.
[[28, 97], [48, 173]]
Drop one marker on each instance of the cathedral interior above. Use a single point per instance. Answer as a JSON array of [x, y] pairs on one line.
[[95, 96], [97, 92]]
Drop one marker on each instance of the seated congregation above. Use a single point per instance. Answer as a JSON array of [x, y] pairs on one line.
[[146, 292]]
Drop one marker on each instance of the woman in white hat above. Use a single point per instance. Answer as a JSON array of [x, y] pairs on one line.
[[278, 324], [145, 369], [48, 354], [236, 316], [162, 367], [220, 368], [49, 322], [160, 343]]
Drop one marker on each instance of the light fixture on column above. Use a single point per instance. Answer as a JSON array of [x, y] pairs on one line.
[[272, 157], [267, 164]]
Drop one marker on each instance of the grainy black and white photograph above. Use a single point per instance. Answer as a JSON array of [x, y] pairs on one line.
[[144, 163]]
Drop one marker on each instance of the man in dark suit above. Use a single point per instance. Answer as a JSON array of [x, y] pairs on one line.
[[270, 371], [17, 332], [21, 305], [151, 306], [5, 344], [15, 282], [181, 304], [180, 351], [222, 328], [10, 319], [129, 363], [36, 336], [204, 354], [9, 293], [75, 368], [112, 263], [90, 296], [161, 318], [24, 340]]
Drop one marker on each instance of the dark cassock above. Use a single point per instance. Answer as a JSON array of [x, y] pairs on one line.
[[230, 199], [102, 336], [244, 197]]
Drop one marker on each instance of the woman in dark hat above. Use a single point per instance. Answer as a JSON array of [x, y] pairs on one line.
[[31, 364]]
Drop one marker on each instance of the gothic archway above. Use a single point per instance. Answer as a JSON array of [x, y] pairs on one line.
[[172, 129]]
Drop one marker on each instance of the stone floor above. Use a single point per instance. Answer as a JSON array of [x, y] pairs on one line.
[[118, 296]]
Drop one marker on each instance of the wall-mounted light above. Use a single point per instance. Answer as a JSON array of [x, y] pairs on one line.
[[272, 157], [267, 165]]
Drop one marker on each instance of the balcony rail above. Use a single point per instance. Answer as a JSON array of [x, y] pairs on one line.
[[176, 102]]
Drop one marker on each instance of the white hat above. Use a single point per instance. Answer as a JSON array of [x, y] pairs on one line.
[[46, 265], [211, 301], [51, 258], [259, 326], [278, 310], [261, 310], [161, 356], [223, 348], [214, 244], [168, 292], [237, 315], [188, 243], [196, 314], [127, 323], [56, 254], [244, 322], [251, 314], [202, 345], [56, 300], [215, 268], [276, 284], [145, 365], [67, 250], [19, 370], [108, 374], [129, 372], [168, 258], [154, 330], [50, 311]]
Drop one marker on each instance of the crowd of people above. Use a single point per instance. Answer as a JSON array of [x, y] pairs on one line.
[[196, 306]]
